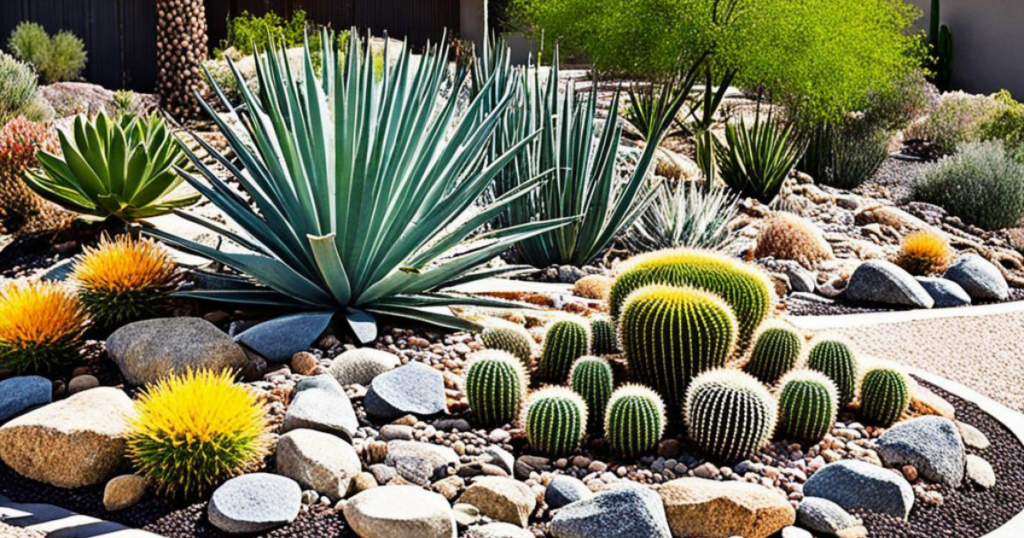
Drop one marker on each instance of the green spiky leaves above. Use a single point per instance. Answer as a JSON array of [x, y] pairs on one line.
[[634, 421], [604, 338], [729, 414], [776, 350], [835, 358], [555, 421], [885, 395], [511, 338], [495, 387], [808, 403], [566, 340], [592, 378]]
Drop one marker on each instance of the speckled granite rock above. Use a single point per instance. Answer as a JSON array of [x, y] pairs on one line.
[[712, 509]]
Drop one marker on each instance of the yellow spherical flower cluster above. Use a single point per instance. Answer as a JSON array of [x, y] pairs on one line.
[[924, 253], [41, 326]]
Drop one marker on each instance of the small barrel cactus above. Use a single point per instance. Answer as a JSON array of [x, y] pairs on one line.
[[591, 378], [604, 339], [634, 421], [565, 341], [509, 337], [884, 395], [495, 386], [555, 421], [834, 357], [776, 350], [746, 289], [673, 334], [808, 403], [729, 414]]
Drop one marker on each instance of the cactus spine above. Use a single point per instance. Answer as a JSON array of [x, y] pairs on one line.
[[555, 419], [604, 340], [592, 378], [808, 403], [885, 395], [835, 358], [495, 387], [507, 336], [566, 340], [673, 334], [776, 350], [634, 421], [729, 414]]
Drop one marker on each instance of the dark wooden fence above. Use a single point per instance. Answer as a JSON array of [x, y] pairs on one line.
[[120, 35]]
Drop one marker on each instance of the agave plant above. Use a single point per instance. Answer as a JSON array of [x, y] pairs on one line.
[[124, 169], [687, 214], [756, 160], [362, 187], [648, 104]]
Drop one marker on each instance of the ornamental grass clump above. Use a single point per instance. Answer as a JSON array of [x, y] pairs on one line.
[[124, 280], [191, 432], [41, 326], [925, 253], [687, 215]]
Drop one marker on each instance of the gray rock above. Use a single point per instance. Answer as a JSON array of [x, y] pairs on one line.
[[318, 461], [21, 394], [627, 511], [421, 463], [496, 455], [854, 484], [931, 444], [148, 351], [946, 293], [980, 472], [980, 278], [882, 282], [564, 490], [361, 366], [800, 279], [280, 338], [321, 404], [413, 389], [255, 502], [400, 512], [824, 516], [498, 530]]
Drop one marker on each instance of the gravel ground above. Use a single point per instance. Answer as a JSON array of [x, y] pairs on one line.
[[896, 176], [796, 306]]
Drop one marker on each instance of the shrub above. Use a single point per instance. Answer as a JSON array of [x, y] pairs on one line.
[[20, 140], [686, 215], [835, 358], [635, 420], [885, 395], [249, 33], [124, 280], [924, 252], [786, 236], [496, 385], [30, 43], [729, 414], [191, 432], [555, 421], [777, 349], [58, 58], [673, 334], [959, 118], [592, 379], [17, 87], [1007, 125], [982, 184], [846, 154], [604, 339], [808, 404], [564, 341], [41, 326], [507, 336], [756, 160]]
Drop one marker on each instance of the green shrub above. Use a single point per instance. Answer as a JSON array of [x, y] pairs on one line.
[[808, 404], [686, 215], [777, 349], [592, 379], [729, 414], [634, 421], [835, 358], [604, 338], [845, 155], [1007, 125], [884, 396], [58, 58], [249, 33], [30, 43], [17, 87], [555, 422], [981, 183], [564, 341], [756, 160], [495, 387], [958, 118]]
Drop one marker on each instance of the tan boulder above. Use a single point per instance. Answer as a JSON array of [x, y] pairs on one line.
[[891, 216], [501, 499], [124, 491], [699, 507], [71, 443]]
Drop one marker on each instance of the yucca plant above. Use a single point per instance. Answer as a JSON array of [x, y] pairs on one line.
[[128, 169], [687, 214], [650, 104], [362, 187], [755, 160]]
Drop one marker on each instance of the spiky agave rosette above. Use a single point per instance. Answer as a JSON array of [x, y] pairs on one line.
[[124, 280], [193, 431], [41, 326]]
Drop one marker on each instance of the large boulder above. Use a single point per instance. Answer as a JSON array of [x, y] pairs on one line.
[[421, 463], [321, 404], [71, 443], [361, 366], [712, 509], [501, 499], [318, 461], [931, 444], [858, 485], [254, 503], [945, 293], [148, 351], [20, 394], [980, 278], [280, 338], [624, 511], [400, 512], [413, 389], [882, 282]]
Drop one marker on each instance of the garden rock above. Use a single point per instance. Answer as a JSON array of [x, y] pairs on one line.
[[254, 503], [123, 492], [854, 484], [564, 490], [973, 437], [20, 394], [321, 404], [498, 530], [361, 366], [879, 281], [400, 512], [980, 472], [946, 293], [980, 278], [501, 499], [712, 509], [413, 389], [72, 443], [280, 338], [500, 457], [800, 279], [421, 463], [626, 511], [824, 516], [318, 461], [795, 532], [931, 444], [148, 351]]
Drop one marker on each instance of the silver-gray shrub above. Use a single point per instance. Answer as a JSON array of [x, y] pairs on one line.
[[17, 87], [687, 214]]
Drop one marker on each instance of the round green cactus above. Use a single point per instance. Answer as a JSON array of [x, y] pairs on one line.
[[565, 341], [591, 378], [834, 357], [604, 340], [673, 334], [495, 386], [729, 414], [555, 421], [634, 421], [746, 289], [808, 403], [509, 337], [884, 395], [776, 350]]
